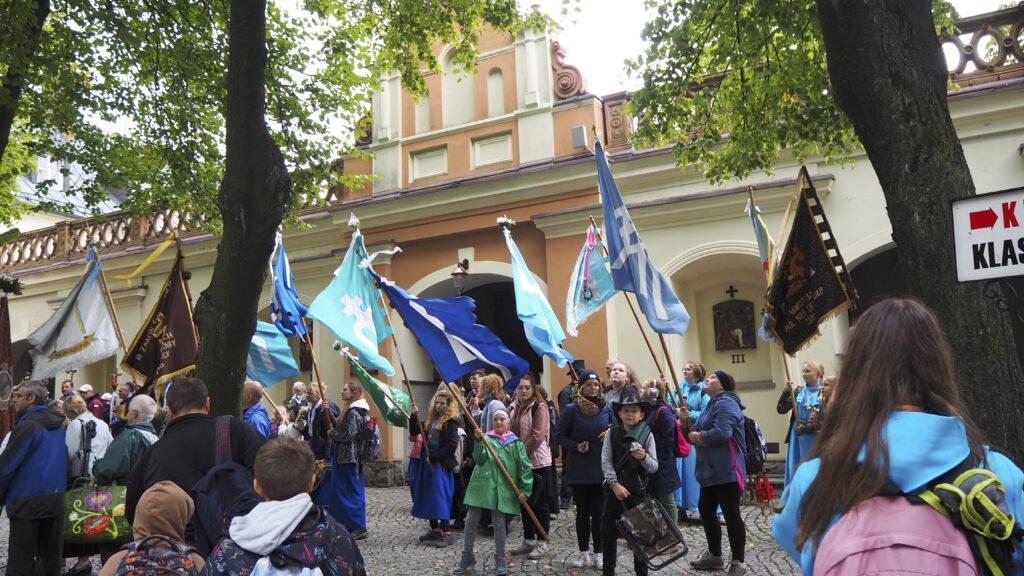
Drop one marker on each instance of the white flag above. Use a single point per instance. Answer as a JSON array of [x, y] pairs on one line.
[[80, 332]]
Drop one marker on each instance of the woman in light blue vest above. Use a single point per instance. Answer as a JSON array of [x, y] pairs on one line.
[[804, 429], [695, 402]]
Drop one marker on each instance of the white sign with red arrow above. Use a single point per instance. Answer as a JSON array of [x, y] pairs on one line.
[[988, 232]]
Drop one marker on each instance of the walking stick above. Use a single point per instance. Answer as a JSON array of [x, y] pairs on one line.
[[494, 456]]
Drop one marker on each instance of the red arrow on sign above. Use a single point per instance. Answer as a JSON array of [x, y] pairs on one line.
[[983, 219]]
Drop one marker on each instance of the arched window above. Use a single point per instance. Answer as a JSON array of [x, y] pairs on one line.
[[495, 93], [456, 94], [422, 114]]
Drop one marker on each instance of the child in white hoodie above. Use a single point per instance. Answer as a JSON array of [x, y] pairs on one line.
[[287, 533]]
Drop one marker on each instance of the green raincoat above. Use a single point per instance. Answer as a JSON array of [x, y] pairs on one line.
[[488, 487]]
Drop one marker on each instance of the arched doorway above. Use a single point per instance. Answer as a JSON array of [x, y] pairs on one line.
[[877, 277]]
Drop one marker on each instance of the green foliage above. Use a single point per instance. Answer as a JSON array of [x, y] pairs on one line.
[[136, 89], [732, 84]]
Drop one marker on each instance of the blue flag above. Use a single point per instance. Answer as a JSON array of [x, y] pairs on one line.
[[446, 328], [632, 269], [590, 285], [543, 332], [285, 309], [270, 357], [351, 309]]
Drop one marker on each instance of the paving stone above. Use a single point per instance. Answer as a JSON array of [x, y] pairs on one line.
[[393, 549]]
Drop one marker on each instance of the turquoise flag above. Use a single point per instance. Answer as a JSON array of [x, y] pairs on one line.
[[590, 285], [543, 331], [350, 307], [270, 357]]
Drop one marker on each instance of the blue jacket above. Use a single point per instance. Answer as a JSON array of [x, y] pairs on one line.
[[575, 427], [662, 420], [257, 417], [922, 447], [720, 422], [34, 467]]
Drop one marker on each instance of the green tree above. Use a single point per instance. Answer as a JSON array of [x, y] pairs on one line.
[[234, 112], [820, 78]]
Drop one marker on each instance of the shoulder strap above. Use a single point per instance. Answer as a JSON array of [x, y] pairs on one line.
[[223, 442]]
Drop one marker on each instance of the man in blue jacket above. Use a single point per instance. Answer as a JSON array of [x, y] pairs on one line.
[[253, 412], [33, 477]]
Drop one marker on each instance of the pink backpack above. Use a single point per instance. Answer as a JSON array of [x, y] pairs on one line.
[[889, 535]]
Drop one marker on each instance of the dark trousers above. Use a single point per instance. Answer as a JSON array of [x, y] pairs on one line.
[[565, 492], [552, 483], [458, 511], [35, 547], [613, 509], [539, 500], [589, 506], [726, 496]]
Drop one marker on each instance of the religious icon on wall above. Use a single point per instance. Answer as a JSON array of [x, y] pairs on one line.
[[734, 325]]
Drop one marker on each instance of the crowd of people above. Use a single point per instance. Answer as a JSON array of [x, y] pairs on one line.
[[862, 451]]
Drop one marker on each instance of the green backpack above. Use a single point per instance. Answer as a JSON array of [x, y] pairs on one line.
[[974, 499]]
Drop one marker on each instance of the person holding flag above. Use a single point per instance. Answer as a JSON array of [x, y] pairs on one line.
[[432, 475]]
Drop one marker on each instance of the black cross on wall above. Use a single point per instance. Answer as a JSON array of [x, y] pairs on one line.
[[731, 291]]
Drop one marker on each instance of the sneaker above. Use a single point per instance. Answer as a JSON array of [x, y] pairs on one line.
[[581, 560], [444, 541], [500, 566], [359, 534], [539, 551], [708, 561], [736, 568], [431, 535], [524, 548], [597, 561], [466, 565]]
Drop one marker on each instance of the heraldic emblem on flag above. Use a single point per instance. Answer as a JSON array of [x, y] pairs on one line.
[[811, 282]]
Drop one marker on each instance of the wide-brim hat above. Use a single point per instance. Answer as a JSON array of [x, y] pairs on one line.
[[631, 397]]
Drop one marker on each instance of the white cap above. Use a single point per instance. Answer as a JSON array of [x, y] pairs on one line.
[[85, 388], [107, 396]]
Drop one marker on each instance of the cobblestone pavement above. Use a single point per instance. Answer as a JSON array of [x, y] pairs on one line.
[[392, 548]]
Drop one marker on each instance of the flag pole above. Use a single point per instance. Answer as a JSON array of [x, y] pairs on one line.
[[650, 348], [494, 456], [269, 399], [768, 280], [319, 381]]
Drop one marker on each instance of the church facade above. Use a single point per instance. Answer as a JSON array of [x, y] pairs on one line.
[[515, 138]]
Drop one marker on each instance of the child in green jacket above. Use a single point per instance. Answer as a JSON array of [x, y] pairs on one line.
[[488, 489]]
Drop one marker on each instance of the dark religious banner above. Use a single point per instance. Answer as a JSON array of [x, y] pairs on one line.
[[167, 344], [811, 282]]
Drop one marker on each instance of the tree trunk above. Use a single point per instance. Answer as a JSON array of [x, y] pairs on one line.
[[889, 76], [252, 199], [23, 53]]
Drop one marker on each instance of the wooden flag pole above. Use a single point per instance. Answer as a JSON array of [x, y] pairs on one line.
[[271, 400], [319, 382], [501, 466]]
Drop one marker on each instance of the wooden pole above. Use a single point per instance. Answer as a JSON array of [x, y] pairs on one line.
[[271, 400], [501, 466], [319, 382], [110, 306]]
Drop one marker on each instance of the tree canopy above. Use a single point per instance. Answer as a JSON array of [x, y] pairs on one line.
[[135, 91], [733, 84]]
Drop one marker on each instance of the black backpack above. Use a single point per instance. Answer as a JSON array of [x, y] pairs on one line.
[[225, 492], [754, 450]]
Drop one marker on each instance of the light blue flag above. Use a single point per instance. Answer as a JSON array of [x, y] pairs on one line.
[[590, 285], [270, 357], [350, 307], [543, 331], [285, 309], [631, 266]]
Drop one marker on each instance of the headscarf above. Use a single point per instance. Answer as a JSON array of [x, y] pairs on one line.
[[502, 438], [163, 510]]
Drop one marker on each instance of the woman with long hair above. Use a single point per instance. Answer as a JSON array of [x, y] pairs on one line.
[[491, 398], [531, 422], [580, 429], [689, 408], [803, 429], [896, 423], [432, 477]]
